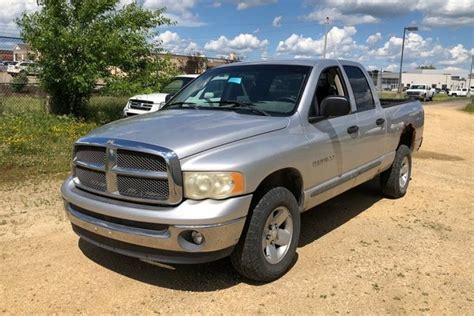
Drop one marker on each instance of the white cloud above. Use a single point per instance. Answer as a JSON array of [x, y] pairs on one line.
[[374, 38], [435, 12], [340, 44], [242, 43], [421, 51], [173, 43], [246, 4], [392, 67], [10, 10], [178, 11], [457, 55], [277, 21], [336, 15]]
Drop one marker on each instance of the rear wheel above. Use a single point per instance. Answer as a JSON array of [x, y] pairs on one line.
[[268, 245], [395, 180]]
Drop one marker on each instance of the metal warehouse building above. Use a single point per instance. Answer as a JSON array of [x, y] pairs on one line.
[[441, 79]]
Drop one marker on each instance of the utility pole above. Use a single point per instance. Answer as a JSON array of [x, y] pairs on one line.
[[326, 38], [470, 77], [405, 29]]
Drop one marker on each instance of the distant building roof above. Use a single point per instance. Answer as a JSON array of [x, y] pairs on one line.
[[453, 72], [22, 46]]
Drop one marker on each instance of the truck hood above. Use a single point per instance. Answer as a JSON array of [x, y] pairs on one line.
[[188, 132], [155, 97]]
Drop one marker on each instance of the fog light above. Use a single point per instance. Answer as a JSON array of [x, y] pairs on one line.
[[197, 237]]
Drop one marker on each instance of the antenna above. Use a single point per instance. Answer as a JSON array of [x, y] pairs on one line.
[[326, 37]]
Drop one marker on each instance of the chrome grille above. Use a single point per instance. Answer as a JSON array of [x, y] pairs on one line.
[[127, 170], [91, 178], [155, 189], [140, 161], [141, 105]]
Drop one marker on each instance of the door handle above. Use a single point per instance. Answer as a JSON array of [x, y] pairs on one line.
[[353, 129], [380, 121]]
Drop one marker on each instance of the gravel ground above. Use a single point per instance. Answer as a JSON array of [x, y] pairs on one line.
[[359, 253]]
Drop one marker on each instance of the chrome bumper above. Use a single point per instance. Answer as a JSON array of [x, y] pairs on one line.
[[220, 222]]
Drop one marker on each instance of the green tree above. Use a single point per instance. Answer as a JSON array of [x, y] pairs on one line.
[[79, 42], [426, 67]]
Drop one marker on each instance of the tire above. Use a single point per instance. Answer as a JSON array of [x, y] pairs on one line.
[[395, 180], [252, 257]]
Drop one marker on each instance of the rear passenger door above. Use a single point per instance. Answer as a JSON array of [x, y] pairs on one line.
[[371, 121]]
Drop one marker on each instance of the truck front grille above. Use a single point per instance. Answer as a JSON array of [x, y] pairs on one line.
[[127, 170], [155, 189], [91, 178], [139, 160], [90, 154], [141, 105]]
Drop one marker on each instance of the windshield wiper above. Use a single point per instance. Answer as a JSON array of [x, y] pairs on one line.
[[176, 105], [243, 105]]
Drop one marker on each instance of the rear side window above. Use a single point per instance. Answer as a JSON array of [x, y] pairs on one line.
[[362, 93]]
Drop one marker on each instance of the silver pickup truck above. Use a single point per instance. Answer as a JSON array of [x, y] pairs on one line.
[[229, 164]]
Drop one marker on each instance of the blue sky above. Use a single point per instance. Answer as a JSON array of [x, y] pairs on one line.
[[368, 31]]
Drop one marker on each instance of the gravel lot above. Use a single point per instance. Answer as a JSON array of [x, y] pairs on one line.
[[359, 253]]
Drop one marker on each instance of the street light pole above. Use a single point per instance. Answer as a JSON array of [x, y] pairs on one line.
[[470, 77], [411, 29], [326, 38]]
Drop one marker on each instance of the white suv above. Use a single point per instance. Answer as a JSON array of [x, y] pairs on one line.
[[26, 67], [147, 103]]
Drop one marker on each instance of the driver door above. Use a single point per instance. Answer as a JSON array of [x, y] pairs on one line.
[[332, 146]]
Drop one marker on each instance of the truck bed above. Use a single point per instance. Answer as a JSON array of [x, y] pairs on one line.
[[387, 103]]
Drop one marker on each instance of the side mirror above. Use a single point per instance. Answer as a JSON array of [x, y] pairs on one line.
[[335, 106], [169, 96]]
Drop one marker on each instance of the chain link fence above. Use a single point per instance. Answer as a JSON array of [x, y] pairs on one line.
[[19, 88]]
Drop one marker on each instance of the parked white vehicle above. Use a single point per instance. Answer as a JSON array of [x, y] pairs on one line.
[[459, 92], [147, 103], [26, 67], [421, 91]]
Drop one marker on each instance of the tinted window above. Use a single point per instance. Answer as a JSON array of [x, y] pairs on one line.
[[274, 89], [176, 85], [360, 87], [330, 83]]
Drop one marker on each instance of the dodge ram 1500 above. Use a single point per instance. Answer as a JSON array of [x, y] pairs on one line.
[[233, 159]]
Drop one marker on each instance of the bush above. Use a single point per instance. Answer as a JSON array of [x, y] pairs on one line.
[[470, 107], [19, 82], [105, 109]]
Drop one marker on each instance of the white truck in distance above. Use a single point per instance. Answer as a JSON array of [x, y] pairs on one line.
[[421, 91], [459, 92], [147, 103]]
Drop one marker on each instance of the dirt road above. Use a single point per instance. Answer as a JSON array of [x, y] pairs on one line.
[[359, 253]]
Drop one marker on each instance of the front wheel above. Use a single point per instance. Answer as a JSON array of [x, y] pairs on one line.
[[395, 180], [267, 247]]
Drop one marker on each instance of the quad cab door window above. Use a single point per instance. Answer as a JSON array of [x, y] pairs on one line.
[[360, 87], [330, 83]]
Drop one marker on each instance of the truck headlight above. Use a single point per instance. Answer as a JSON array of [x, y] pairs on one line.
[[212, 185]]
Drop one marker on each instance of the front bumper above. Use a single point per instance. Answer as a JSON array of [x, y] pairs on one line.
[[157, 232]]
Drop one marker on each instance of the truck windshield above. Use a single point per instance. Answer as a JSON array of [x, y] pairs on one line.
[[251, 89], [175, 85], [420, 87]]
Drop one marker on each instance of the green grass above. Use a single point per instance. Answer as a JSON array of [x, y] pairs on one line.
[[34, 143], [470, 107]]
